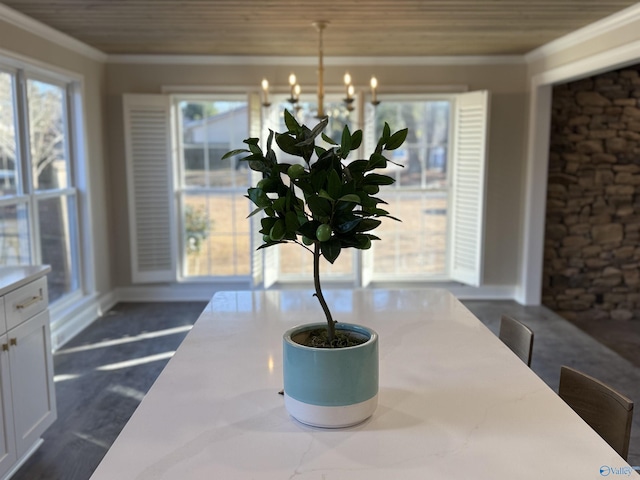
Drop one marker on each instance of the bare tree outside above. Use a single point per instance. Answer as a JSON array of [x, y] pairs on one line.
[[48, 164]]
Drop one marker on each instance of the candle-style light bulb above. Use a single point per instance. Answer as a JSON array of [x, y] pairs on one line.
[[374, 88], [296, 91], [265, 92], [347, 79], [350, 91], [292, 83]]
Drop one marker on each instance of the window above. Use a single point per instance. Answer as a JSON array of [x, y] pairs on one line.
[[417, 246], [215, 237], [291, 262], [38, 196], [438, 194]]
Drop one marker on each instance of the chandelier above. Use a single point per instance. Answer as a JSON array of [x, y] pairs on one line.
[[295, 89]]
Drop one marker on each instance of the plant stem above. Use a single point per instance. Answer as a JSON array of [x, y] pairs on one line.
[[331, 324]]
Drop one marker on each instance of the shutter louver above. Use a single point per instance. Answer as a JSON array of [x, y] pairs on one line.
[[147, 144], [468, 188]]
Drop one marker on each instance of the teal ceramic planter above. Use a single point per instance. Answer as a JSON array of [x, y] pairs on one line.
[[330, 387]]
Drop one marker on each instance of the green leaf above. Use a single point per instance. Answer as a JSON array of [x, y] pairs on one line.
[[319, 207], [368, 224], [345, 145], [379, 211], [324, 194], [270, 140], [377, 179], [267, 224], [347, 226], [257, 210], [352, 197], [258, 166], [396, 139], [233, 153], [279, 204], [255, 149], [331, 249], [358, 167], [334, 184], [257, 196], [356, 139], [317, 130], [371, 189], [288, 144], [291, 221], [290, 121], [268, 244], [386, 132], [308, 229], [278, 230], [329, 140], [320, 151], [377, 160]]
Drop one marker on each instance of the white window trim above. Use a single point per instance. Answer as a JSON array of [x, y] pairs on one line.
[[73, 84]]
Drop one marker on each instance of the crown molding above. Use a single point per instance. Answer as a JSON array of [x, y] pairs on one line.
[[601, 27], [213, 60], [35, 27]]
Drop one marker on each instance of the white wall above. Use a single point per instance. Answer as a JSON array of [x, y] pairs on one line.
[[507, 83], [23, 45]]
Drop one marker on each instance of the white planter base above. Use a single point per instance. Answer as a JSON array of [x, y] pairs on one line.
[[330, 417]]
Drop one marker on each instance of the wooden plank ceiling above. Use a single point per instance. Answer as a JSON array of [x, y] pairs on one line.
[[280, 27]]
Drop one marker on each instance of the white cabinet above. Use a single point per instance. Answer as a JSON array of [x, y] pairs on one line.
[[27, 396]]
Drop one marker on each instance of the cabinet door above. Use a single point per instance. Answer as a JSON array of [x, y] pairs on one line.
[[31, 367], [7, 444]]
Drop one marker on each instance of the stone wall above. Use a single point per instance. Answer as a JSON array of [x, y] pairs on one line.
[[592, 238]]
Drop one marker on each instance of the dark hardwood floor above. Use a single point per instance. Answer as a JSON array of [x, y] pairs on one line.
[[103, 374], [100, 378]]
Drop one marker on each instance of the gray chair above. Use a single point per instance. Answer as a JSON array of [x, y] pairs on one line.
[[608, 412], [518, 337]]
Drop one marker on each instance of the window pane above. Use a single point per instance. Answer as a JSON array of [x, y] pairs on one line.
[[14, 235], [47, 135], [216, 231], [294, 260], [216, 236], [423, 156], [209, 130], [8, 166], [417, 245], [57, 244]]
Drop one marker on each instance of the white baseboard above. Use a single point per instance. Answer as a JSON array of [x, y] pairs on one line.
[[67, 323]]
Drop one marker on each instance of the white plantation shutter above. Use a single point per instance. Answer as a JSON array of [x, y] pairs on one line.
[[148, 158], [468, 187]]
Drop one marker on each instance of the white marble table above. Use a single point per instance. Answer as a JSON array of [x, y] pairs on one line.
[[454, 402]]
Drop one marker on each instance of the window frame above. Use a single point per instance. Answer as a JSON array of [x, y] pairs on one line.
[[72, 105], [180, 190]]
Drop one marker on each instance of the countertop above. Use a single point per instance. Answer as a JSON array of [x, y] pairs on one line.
[[454, 402], [17, 276]]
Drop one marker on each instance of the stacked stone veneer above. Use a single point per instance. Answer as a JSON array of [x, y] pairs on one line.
[[592, 238]]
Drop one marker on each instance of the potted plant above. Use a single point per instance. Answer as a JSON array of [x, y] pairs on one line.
[[325, 204]]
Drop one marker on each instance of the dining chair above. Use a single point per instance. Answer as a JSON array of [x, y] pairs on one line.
[[605, 410], [517, 336]]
